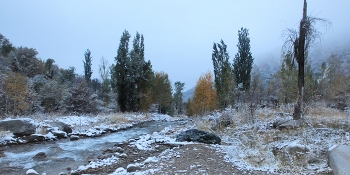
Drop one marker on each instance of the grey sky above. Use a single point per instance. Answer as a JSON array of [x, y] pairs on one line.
[[179, 35]]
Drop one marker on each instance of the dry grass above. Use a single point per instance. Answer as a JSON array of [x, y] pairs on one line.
[[204, 125], [118, 118]]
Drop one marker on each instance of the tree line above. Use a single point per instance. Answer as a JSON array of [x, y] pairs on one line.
[[241, 81], [30, 85]]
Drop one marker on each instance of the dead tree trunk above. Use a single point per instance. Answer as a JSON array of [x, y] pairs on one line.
[[299, 53]]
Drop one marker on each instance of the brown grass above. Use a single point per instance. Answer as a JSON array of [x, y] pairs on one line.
[[118, 118]]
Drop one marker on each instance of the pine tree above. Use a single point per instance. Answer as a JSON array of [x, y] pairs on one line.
[[243, 62], [87, 66], [223, 74], [177, 97]]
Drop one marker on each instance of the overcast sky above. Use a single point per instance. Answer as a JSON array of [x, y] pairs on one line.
[[179, 35]]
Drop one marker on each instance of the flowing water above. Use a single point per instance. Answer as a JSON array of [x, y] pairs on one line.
[[64, 154]]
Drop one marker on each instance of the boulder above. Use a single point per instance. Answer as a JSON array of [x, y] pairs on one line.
[[19, 127], [59, 134], [195, 135], [61, 126], [33, 138], [74, 137], [339, 159], [286, 123]]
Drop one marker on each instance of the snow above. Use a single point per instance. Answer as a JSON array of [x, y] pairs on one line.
[[31, 171], [99, 163], [151, 160], [332, 147]]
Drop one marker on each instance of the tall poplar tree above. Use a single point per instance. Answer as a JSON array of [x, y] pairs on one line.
[[177, 97], [223, 74], [120, 72], [87, 66], [243, 62]]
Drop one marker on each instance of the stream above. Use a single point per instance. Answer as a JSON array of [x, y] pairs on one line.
[[63, 155]]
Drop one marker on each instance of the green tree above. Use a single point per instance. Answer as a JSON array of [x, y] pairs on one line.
[[223, 74], [87, 66], [132, 75], [120, 72], [5, 46], [68, 75], [289, 79], [242, 64], [178, 101], [161, 92], [49, 67]]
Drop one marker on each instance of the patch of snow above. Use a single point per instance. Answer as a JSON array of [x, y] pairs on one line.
[[331, 148], [99, 163], [31, 171], [151, 160], [119, 171]]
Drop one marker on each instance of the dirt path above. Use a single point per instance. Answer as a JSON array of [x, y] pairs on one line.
[[194, 159]]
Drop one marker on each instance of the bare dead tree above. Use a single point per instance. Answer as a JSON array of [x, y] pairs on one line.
[[298, 42]]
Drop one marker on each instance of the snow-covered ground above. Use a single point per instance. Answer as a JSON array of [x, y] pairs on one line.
[[249, 142]]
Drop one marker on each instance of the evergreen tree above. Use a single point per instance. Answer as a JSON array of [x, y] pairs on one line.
[[48, 67], [289, 78], [78, 100], [242, 65], [132, 75], [87, 66], [177, 97], [120, 72], [161, 92], [223, 74]]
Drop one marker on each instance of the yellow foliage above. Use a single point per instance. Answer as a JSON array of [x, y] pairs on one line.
[[205, 96], [16, 91]]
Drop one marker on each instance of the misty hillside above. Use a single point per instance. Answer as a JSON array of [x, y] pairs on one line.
[[188, 94]]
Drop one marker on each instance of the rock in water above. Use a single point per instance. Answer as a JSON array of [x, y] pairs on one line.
[[19, 127], [195, 135], [339, 159], [40, 156], [74, 137]]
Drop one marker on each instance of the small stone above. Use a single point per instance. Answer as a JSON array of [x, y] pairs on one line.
[[123, 155], [132, 168]]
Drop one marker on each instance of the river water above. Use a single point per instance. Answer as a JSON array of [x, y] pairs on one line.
[[64, 154]]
